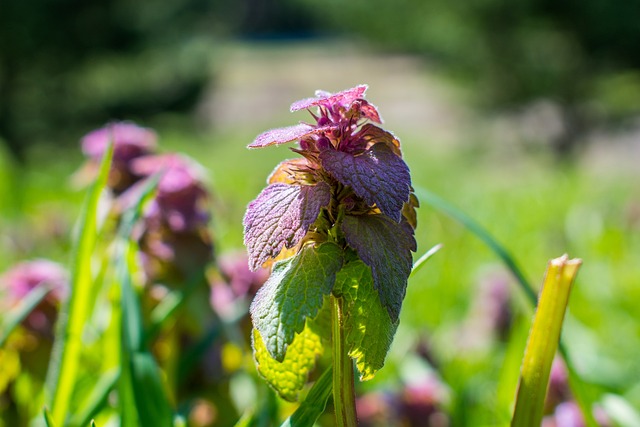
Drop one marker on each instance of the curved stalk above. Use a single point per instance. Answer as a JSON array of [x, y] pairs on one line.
[[344, 399]]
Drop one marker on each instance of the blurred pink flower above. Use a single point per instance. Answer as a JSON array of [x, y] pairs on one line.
[[19, 281], [238, 282], [180, 201], [129, 142]]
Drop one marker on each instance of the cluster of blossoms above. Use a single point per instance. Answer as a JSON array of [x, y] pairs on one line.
[[174, 238], [350, 187]]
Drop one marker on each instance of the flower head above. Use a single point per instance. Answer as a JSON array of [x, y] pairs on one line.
[[129, 142], [351, 186]]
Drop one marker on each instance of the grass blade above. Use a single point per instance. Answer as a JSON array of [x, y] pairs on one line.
[[63, 367], [417, 266], [144, 401], [480, 232], [543, 341], [96, 398], [47, 418], [17, 314], [314, 404], [577, 385]]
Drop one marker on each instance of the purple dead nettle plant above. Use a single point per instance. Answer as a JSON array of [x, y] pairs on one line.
[[337, 222]]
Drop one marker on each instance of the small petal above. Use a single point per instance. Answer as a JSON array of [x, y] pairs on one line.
[[287, 134], [344, 98]]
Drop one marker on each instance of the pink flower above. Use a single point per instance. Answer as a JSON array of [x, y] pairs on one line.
[[19, 281], [129, 142]]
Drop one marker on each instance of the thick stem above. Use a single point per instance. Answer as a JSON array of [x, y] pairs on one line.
[[344, 398]]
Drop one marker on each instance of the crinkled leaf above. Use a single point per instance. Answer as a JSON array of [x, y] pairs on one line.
[[378, 176], [369, 328], [344, 98], [289, 376], [293, 293], [385, 246], [284, 135], [281, 216]]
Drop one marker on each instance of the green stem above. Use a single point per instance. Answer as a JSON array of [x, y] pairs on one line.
[[344, 398], [543, 341]]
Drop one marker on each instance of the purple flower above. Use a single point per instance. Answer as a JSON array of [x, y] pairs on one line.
[[19, 281], [351, 185], [174, 237], [129, 142], [181, 197], [238, 282]]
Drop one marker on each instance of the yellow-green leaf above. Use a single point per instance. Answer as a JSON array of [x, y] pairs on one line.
[[369, 328], [290, 376]]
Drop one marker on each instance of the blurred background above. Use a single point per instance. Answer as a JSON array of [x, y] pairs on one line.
[[524, 114]]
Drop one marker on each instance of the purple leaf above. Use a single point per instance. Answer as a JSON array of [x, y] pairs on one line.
[[280, 216], [378, 176], [344, 98], [385, 246], [284, 135]]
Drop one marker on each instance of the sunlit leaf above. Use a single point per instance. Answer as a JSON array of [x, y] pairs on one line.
[[378, 175], [281, 216], [64, 363], [288, 377], [293, 293], [313, 405], [385, 246], [368, 326]]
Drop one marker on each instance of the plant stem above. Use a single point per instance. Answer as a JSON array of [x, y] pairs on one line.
[[344, 398], [543, 341]]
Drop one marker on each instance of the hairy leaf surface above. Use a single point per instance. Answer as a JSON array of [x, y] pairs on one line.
[[280, 216], [293, 293], [283, 135], [378, 175], [289, 376], [385, 246], [369, 328]]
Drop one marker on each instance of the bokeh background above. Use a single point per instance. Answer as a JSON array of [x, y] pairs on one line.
[[524, 114]]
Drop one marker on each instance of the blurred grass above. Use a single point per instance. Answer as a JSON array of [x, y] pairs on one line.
[[534, 206]]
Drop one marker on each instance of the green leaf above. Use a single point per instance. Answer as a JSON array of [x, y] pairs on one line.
[[385, 246], [313, 405], [151, 401], [47, 418], [288, 377], [369, 328], [18, 313], [96, 398], [64, 363], [293, 293]]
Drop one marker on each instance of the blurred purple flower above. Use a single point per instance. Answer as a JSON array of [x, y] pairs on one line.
[[567, 414], [490, 315], [181, 197], [238, 282], [174, 236], [19, 281], [129, 142]]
